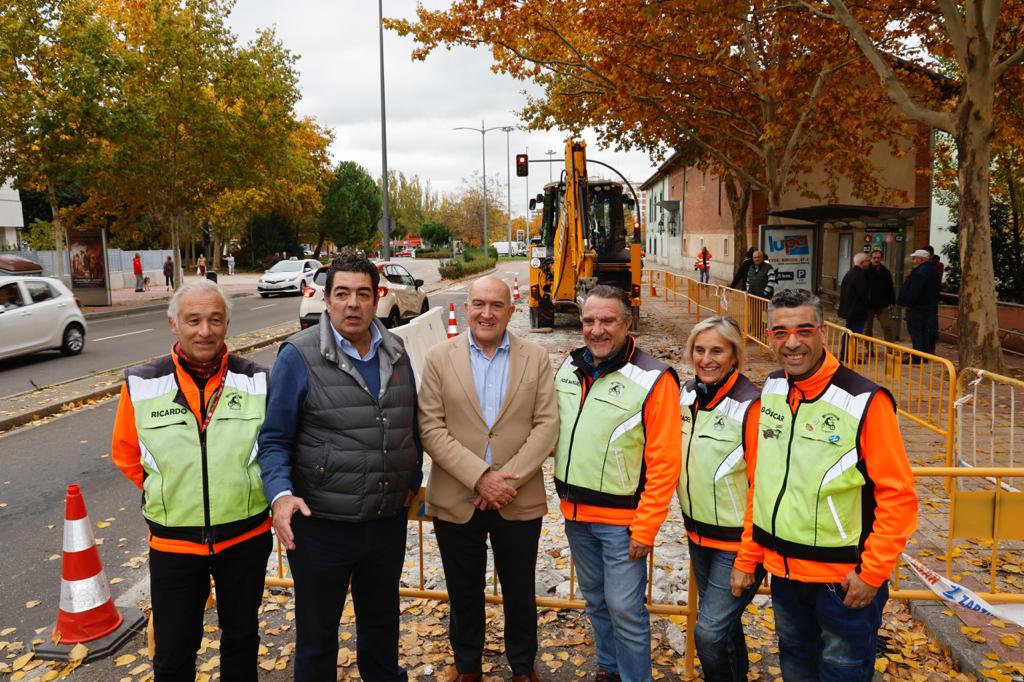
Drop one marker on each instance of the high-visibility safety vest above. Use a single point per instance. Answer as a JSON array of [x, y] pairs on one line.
[[702, 262], [713, 485], [599, 459], [201, 483], [810, 500]]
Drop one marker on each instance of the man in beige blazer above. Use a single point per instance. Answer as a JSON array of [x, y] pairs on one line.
[[488, 419]]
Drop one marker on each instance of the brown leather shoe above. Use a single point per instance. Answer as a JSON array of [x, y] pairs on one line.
[[532, 677], [467, 677]]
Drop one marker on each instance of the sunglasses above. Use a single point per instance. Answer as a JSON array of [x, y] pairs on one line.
[[803, 333]]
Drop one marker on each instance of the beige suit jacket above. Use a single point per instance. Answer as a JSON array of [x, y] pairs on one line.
[[455, 435]]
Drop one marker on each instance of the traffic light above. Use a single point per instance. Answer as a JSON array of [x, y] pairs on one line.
[[522, 165]]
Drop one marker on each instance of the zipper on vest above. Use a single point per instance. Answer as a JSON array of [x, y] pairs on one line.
[[785, 477], [572, 436], [207, 530], [689, 445]]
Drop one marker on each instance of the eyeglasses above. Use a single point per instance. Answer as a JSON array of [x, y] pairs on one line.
[[802, 333]]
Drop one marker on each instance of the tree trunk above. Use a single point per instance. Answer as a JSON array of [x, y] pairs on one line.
[[977, 317], [176, 251], [737, 194], [58, 230], [319, 244]]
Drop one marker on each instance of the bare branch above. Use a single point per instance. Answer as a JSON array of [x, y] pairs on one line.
[[953, 22], [893, 87], [798, 129], [1008, 63]]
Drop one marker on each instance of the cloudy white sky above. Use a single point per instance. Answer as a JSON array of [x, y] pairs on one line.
[[337, 42]]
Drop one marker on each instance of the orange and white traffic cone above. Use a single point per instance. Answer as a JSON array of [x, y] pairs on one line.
[[654, 288], [453, 328], [515, 290], [86, 612]]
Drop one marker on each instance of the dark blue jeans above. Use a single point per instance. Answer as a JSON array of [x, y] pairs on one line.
[[327, 556], [819, 637], [918, 328], [857, 327], [721, 646], [705, 275]]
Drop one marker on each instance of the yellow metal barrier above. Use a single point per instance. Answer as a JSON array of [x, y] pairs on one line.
[[922, 384]]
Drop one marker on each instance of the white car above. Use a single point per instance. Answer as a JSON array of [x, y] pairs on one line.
[[39, 313], [400, 297], [287, 277]]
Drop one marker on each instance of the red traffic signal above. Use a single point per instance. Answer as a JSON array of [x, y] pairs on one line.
[[522, 165]]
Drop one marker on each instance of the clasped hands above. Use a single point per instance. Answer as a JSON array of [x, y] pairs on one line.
[[493, 490]]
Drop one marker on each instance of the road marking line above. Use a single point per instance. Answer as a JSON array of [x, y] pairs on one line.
[[261, 307], [117, 336], [458, 288]]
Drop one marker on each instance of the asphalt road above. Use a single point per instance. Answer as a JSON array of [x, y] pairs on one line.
[[118, 341]]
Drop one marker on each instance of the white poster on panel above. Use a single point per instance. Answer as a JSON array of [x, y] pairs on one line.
[[791, 251]]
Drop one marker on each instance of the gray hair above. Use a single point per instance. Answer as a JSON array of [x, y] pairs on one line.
[[203, 285], [730, 331], [614, 293], [860, 257], [796, 298]]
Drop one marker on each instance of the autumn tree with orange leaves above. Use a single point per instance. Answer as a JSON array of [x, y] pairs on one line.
[[982, 42], [757, 91]]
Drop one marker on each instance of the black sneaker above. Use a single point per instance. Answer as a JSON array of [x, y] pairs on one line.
[[605, 676]]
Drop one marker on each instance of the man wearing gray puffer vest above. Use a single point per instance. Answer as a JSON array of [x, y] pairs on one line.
[[340, 459]]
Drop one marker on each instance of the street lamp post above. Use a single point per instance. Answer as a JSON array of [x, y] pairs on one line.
[[508, 184], [551, 158], [385, 220], [483, 150]]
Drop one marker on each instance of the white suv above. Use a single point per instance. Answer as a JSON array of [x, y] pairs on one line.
[[287, 277], [39, 313], [400, 297]]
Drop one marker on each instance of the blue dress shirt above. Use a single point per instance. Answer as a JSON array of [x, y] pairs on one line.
[[490, 375]]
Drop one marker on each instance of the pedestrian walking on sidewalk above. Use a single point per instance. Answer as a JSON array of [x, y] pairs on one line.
[[199, 409], [230, 260], [881, 297], [201, 266], [920, 295], [488, 418], [614, 398], [702, 264], [137, 270], [761, 276], [853, 298], [833, 503], [341, 462], [169, 273], [720, 416], [739, 280]]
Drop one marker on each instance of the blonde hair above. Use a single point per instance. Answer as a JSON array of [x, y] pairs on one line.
[[730, 331]]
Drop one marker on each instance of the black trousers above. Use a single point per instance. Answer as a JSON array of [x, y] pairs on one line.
[[180, 584], [463, 549], [328, 555]]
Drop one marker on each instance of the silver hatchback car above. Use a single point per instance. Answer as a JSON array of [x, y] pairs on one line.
[[39, 313]]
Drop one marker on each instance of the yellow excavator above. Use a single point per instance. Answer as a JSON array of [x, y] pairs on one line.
[[585, 240]]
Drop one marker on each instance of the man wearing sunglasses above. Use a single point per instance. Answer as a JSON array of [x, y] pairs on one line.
[[833, 500]]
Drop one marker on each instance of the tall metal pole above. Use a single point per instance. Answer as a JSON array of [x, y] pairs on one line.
[[385, 220], [551, 158], [483, 146], [508, 184]]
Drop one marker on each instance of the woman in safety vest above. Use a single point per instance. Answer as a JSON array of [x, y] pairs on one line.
[[720, 417]]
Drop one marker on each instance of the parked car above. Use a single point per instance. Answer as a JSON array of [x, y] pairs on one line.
[[39, 313], [287, 277], [400, 297], [406, 253]]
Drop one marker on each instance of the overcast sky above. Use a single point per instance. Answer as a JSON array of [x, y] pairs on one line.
[[337, 42]]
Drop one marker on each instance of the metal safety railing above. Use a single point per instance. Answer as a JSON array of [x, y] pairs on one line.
[[925, 390], [923, 385]]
